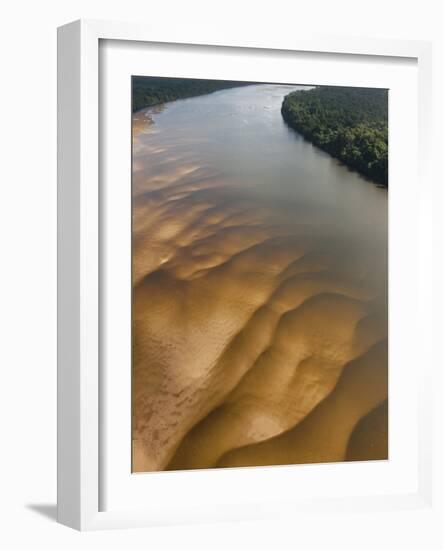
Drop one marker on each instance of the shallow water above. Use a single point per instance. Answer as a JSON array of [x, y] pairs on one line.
[[259, 303]]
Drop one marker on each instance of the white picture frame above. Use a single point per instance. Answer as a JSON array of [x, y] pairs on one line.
[[80, 445]]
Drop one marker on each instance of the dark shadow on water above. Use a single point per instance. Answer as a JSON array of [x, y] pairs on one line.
[[48, 511]]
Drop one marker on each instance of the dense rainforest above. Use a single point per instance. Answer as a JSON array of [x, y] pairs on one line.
[[147, 91], [351, 124]]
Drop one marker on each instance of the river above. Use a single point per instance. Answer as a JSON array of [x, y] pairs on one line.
[[259, 291]]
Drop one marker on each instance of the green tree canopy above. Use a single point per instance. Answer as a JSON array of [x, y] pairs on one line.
[[351, 124], [148, 91]]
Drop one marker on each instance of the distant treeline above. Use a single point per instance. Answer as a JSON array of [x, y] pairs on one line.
[[147, 91], [351, 124]]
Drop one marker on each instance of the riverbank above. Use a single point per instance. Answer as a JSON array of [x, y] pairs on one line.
[[149, 91], [351, 124]]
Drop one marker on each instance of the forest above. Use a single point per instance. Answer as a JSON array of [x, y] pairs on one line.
[[351, 124], [147, 91]]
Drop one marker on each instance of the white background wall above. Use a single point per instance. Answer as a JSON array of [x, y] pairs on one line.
[[28, 267]]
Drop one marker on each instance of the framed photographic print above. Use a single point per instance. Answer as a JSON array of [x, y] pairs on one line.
[[238, 233]]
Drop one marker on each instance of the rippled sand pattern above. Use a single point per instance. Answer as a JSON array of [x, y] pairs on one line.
[[259, 335]]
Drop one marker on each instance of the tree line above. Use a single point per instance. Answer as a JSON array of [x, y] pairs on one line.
[[148, 91], [351, 124]]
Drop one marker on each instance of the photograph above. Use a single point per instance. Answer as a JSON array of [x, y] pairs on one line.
[[259, 274], [222, 275]]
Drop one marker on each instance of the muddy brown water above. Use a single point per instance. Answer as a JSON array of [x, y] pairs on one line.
[[259, 291]]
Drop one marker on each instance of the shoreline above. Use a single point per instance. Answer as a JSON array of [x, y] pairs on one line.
[[306, 115], [172, 89], [340, 160]]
